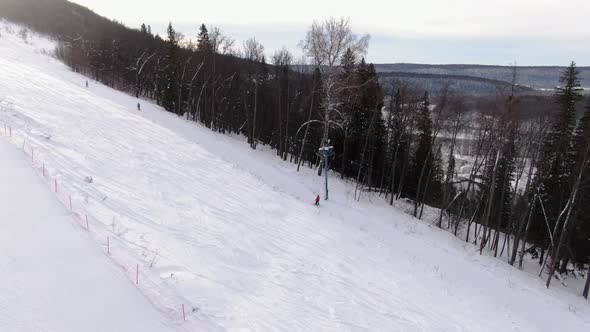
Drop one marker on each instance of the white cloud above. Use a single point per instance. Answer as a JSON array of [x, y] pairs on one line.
[[536, 19], [275, 23]]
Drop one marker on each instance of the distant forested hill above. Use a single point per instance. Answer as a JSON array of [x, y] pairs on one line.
[[542, 77]]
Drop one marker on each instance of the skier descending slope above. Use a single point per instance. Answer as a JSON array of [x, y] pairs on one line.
[[317, 200]]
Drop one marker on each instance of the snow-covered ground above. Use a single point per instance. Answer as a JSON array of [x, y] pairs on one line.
[[232, 233], [53, 277]]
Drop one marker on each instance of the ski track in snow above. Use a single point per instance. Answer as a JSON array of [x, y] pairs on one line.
[[234, 231]]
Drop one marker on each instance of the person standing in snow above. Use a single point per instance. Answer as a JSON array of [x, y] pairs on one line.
[[87, 84], [317, 200], [138, 106]]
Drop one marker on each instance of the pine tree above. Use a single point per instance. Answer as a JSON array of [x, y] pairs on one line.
[[347, 78], [399, 139], [557, 157], [370, 127], [203, 42], [348, 63], [581, 135], [170, 72], [501, 203], [363, 106], [432, 193], [450, 173], [377, 142], [422, 155], [581, 222]]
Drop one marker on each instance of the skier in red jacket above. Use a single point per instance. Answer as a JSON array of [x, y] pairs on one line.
[[317, 200]]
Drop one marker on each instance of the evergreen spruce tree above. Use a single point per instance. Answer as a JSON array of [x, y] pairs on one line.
[[557, 159], [581, 224], [369, 101], [399, 143], [370, 127], [435, 180], [348, 77], [378, 140], [502, 200], [169, 96], [422, 155], [581, 135], [203, 42], [348, 63], [450, 173]]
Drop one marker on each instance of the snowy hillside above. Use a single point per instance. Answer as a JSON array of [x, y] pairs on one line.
[[54, 277], [232, 234]]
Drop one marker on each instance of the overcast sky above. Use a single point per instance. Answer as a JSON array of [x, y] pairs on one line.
[[530, 32]]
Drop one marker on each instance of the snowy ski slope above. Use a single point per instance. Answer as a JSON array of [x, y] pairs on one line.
[[53, 277], [233, 233]]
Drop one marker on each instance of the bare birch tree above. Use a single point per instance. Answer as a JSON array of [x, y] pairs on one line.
[[324, 45], [253, 51], [282, 59], [222, 44]]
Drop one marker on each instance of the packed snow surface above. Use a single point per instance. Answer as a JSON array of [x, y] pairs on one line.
[[53, 277], [232, 233]]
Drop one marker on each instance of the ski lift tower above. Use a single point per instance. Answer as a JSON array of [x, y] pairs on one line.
[[326, 152]]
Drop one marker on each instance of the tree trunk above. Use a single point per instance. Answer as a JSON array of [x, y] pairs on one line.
[[306, 127], [404, 170], [280, 140], [370, 168], [447, 180], [518, 234], [363, 154], [489, 203], [564, 263], [393, 167], [570, 206], [254, 117], [542, 255], [446, 208], [344, 151], [199, 117], [418, 188], [213, 93], [288, 110], [587, 286], [530, 210], [425, 191], [499, 218]]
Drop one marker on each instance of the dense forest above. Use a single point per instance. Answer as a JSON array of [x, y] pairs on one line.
[[520, 189]]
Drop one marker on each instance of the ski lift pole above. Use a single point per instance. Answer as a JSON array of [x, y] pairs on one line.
[[326, 174], [326, 152]]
